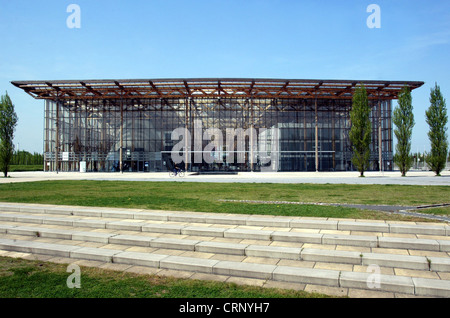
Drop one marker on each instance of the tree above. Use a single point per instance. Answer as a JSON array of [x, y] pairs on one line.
[[436, 117], [8, 122], [360, 131], [404, 121], [23, 157]]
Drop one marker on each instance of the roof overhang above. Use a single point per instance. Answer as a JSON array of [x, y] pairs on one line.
[[210, 88]]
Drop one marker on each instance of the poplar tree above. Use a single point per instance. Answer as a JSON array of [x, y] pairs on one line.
[[8, 122], [436, 117], [361, 129], [403, 119]]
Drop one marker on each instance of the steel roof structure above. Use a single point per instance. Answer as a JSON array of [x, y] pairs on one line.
[[210, 87]]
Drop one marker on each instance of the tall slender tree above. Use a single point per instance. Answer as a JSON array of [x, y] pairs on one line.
[[436, 117], [360, 131], [404, 121], [8, 122]]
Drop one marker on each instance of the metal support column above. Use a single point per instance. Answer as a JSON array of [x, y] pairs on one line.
[[333, 139], [251, 134], [57, 137], [305, 144], [121, 135], [380, 141], [186, 123], [46, 133], [317, 135]]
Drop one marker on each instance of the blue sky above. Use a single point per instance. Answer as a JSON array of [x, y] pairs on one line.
[[321, 39]]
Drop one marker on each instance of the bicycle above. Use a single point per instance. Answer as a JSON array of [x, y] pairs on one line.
[[180, 173]]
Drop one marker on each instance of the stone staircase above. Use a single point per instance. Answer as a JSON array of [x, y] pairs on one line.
[[332, 256]]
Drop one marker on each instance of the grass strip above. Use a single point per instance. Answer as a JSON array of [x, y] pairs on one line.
[[21, 278]]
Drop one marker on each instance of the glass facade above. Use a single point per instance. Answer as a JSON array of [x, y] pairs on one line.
[[278, 134]]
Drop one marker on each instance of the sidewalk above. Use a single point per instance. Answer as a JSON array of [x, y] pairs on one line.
[[394, 177]]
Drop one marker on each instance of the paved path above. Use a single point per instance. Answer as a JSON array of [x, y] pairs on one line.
[[413, 177], [344, 257], [397, 209]]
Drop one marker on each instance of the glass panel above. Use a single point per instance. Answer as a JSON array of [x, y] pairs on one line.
[[223, 134]]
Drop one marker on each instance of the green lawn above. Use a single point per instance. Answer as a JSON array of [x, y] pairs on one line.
[[206, 197], [436, 211]]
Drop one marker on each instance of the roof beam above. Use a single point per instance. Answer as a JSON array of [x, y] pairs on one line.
[[283, 89], [250, 91], [383, 86], [119, 85], [90, 89], [188, 90], [53, 86], [155, 88], [318, 85]]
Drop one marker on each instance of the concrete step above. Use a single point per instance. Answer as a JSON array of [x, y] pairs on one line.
[[333, 278], [256, 247], [372, 241], [245, 220], [253, 250]]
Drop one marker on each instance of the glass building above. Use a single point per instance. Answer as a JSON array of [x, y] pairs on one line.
[[209, 124]]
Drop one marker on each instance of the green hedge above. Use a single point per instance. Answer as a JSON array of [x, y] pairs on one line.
[[15, 168]]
